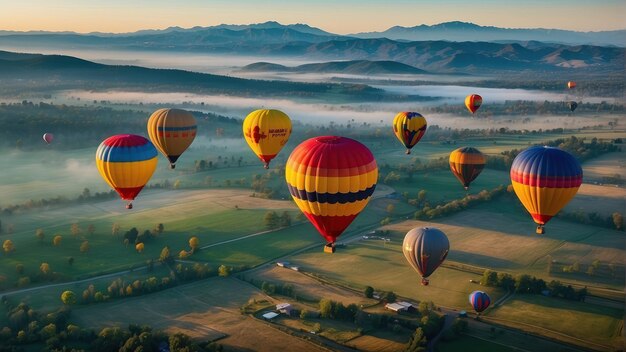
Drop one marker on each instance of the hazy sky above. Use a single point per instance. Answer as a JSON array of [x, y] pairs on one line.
[[345, 16]]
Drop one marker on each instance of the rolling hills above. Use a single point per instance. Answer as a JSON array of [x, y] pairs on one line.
[[362, 67]]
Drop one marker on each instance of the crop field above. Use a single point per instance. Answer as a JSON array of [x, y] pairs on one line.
[[205, 310], [387, 270], [471, 344], [577, 320], [607, 165], [604, 200]]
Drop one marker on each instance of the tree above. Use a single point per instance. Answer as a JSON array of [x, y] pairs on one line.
[[183, 254], [84, 247], [421, 196], [91, 229], [159, 228], [131, 235], [369, 292], [390, 209], [165, 255], [271, 220], [115, 229], [8, 246], [56, 241], [19, 268], [68, 298], [44, 268], [523, 283], [285, 219], [618, 220], [139, 247], [75, 230], [223, 270], [490, 278], [417, 342], [49, 331], [389, 297], [426, 307], [194, 243], [40, 235], [326, 308], [70, 261]]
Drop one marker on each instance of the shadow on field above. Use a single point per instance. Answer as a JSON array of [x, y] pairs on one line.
[[481, 260]]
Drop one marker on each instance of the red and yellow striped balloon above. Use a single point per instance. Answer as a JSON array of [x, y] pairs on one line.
[[126, 162], [172, 131], [331, 179], [466, 163], [545, 179]]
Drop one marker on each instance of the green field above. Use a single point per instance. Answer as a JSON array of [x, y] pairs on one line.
[[578, 320]]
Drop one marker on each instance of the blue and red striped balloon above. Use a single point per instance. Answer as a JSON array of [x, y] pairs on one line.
[[479, 300]]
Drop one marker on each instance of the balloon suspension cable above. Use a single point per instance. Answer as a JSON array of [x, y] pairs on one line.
[[129, 205], [424, 281], [408, 151], [172, 166]]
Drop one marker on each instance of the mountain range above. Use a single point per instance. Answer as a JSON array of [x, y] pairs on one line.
[[436, 56], [359, 67]]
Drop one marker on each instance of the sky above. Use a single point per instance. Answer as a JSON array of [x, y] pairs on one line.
[[338, 16]]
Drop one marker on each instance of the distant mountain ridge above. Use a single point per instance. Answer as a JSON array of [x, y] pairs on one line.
[[347, 67], [464, 31]]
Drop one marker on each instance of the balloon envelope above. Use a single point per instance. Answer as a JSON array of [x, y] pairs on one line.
[[466, 163], [425, 248], [571, 84], [331, 179], [126, 162], [48, 137], [172, 131], [572, 106], [409, 128], [545, 179], [266, 132], [473, 102], [479, 300]]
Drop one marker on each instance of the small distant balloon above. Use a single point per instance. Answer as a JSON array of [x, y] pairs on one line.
[[466, 164], [479, 301], [48, 138], [571, 84], [572, 106], [473, 102], [172, 131]]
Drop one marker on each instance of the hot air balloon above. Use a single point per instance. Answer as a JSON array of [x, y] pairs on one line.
[[545, 179], [466, 164], [126, 162], [572, 106], [331, 179], [479, 300], [571, 84], [473, 102], [266, 132], [48, 138], [409, 127], [425, 248], [172, 131]]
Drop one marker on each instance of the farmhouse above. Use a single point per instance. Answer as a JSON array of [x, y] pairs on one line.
[[282, 264], [399, 306], [284, 308]]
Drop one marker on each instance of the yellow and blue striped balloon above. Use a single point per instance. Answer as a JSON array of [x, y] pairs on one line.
[[126, 162]]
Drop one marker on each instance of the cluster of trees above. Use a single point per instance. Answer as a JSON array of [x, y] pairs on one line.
[[330, 309], [613, 221], [526, 284], [272, 220], [207, 164], [576, 146], [85, 196], [428, 213], [260, 184], [26, 326]]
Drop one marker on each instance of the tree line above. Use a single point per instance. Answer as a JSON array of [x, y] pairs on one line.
[[526, 284]]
